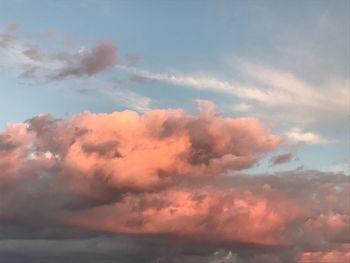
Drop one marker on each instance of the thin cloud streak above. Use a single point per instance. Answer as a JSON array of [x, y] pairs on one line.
[[275, 89]]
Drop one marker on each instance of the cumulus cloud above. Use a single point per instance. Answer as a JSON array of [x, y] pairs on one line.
[[167, 173], [143, 151], [275, 210]]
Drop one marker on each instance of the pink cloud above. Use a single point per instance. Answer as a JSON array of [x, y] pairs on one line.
[[168, 172], [209, 215], [326, 257]]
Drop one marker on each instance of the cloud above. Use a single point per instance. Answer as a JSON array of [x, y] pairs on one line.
[[167, 173], [282, 158], [143, 152], [297, 135], [55, 65], [37, 65], [243, 209], [272, 217], [242, 107], [89, 63], [84, 62], [274, 93], [33, 54], [137, 78], [6, 40], [201, 82], [325, 257]]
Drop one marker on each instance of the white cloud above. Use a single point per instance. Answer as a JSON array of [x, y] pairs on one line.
[[297, 135], [287, 89], [271, 92], [242, 107], [202, 82]]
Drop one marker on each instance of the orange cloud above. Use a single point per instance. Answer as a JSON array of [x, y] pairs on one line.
[[168, 172], [139, 152], [161, 147], [211, 215], [326, 257]]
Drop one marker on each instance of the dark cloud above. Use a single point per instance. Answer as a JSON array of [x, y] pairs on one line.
[[89, 63], [280, 159], [44, 65], [107, 148], [6, 143], [314, 235]]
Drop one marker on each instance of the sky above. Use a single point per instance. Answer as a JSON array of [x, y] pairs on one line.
[[174, 131]]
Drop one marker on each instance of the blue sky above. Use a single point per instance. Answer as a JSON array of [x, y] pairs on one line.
[[296, 53]]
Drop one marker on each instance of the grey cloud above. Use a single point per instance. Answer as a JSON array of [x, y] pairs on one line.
[[6, 40], [6, 143], [29, 72], [280, 159], [33, 53], [61, 64], [102, 57]]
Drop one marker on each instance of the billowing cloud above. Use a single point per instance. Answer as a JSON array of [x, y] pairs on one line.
[[142, 152], [264, 210], [167, 172]]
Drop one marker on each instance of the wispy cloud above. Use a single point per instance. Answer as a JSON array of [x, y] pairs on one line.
[[38, 64], [75, 66], [271, 89], [297, 135], [200, 82]]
